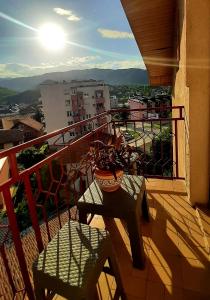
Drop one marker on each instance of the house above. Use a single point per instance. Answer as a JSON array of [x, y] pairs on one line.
[[10, 138], [137, 104], [31, 128]]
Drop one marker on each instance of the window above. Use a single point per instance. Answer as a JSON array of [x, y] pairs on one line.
[[73, 91], [99, 94], [68, 102], [68, 113], [66, 91], [70, 123], [71, 133]]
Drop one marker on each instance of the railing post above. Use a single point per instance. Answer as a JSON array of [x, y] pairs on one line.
[[17, 242], [32, 210], [13, 166], [114, 128], [176, 148], [180, 112]]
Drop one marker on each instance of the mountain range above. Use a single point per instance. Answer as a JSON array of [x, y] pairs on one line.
[[113, 77]]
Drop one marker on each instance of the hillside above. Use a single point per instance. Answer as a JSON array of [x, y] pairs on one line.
[[27, 97], [4, 93], [113, 77]]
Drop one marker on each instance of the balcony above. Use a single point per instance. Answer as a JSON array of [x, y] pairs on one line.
[[175, 246], [100, 100]]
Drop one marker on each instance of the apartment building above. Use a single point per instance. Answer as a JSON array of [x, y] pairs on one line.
[[65, 103]]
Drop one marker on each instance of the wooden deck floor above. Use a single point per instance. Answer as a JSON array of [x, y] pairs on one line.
[[177, 258]]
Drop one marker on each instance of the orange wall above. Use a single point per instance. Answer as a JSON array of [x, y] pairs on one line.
[[192, 89]]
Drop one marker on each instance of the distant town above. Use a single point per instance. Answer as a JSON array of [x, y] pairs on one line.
[[29, 114]]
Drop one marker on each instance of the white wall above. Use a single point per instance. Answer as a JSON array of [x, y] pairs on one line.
[[54, 96]]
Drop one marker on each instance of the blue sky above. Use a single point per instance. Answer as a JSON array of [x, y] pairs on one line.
[[97, 31]]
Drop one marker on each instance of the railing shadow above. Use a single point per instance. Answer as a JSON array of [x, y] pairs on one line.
[[175, 260]]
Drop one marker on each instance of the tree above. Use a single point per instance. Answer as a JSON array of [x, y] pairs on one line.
[[124, 115], [31, 156], [26, 159], [38, 116]]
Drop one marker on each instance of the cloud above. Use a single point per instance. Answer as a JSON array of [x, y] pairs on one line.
[[73, 18], [62, 12], [115, 34], [67, 13], [73, 63], [119, 64], [24, 70]]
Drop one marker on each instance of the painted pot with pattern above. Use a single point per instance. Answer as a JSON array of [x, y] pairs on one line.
[[107, 181]]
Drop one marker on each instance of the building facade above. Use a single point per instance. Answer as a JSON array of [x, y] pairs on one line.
[[69, 102], [137, 104], [113, 102]]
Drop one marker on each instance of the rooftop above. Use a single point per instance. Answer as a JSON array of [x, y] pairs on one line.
[[9, 122]]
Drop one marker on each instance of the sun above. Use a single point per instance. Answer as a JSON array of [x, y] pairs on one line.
[[52, 37]]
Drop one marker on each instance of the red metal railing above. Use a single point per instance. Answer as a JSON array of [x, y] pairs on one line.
[[49, 189]]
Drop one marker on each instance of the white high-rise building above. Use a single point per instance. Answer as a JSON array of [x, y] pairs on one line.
[[65, 103]]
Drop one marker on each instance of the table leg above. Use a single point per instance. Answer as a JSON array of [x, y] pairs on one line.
[[82, 216], [136, 242], [144, 207]]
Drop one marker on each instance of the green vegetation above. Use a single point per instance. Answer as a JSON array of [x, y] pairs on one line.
[[8, 96], [38, 116], [27, 97], [26, 159], [5, 93], [134, 134], [123, 92]]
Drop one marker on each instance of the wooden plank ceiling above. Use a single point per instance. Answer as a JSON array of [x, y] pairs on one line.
[[153, 26]]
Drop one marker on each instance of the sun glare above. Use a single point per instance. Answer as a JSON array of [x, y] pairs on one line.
[[52, 37]]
